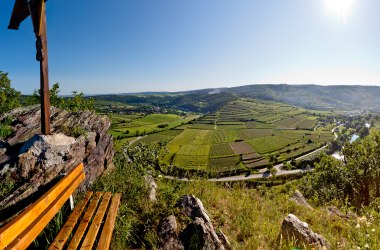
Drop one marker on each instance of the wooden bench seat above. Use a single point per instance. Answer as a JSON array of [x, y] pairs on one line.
[[92, 220]]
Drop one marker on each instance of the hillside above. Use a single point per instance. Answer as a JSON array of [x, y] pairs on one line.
[[315, 96], [307, 96]]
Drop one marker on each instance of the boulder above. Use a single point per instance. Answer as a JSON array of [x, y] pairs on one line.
[[200, 232], [298, 198], [192, 207], [199, 235], [168, 234], [152, 186], [36, 162], [299, 232]]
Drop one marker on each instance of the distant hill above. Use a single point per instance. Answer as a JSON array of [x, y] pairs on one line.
[[315, 96], [194, 102], [309, 96]]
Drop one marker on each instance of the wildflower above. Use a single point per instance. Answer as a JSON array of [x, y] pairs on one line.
[[373, 230], [366, 246]]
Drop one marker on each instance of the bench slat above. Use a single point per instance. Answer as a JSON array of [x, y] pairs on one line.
[[106, 236], [27, 236], [95, 226], [75, 241], [64, 234], [10, 231]]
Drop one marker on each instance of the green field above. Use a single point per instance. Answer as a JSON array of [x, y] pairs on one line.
[[135, 125], [243, 134]]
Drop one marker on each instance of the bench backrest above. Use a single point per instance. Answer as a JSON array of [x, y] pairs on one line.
[[22, 230]]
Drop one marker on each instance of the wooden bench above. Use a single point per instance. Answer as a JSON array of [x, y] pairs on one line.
[[96, 213]]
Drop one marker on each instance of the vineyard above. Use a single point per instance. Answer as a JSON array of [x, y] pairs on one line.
[[242, 135]]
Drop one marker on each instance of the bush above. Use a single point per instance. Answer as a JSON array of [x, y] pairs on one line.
[[5, 128], [9, 97]]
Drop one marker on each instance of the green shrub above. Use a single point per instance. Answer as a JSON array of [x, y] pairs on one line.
[[5, 128]]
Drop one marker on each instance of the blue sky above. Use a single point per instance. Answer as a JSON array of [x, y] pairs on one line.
[[120, 46]]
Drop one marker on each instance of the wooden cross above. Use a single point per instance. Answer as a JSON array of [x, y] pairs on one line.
[[36, 9]]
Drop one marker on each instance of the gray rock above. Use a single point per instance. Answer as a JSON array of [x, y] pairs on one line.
[[35, 162], [168, 234], [152, 186], [201, 228], [42, 152], [223, 238], [199, 235], [298, 198], [335, 211], [294, 229], [193, 207]]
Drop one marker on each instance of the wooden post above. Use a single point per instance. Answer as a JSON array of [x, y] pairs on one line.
[[44, 76], [38, 14], [36, 9]]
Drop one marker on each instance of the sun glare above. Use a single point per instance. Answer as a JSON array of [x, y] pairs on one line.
[[341, 8]]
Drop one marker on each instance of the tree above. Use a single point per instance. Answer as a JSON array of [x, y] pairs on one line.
[[357, 178], [327, 182], [9, 97], [360, 167], [74, 103]]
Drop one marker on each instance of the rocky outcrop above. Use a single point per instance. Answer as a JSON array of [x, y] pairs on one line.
[[35, 162], [298, 198], [168, 234], [198, 232], [297, 231]]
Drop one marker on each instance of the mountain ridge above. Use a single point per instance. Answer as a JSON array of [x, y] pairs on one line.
[[312, 96]]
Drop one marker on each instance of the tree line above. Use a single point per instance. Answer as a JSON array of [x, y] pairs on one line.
[[11, 98]]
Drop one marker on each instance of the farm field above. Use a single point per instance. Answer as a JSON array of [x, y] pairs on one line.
[[124, 126], [242, 135]]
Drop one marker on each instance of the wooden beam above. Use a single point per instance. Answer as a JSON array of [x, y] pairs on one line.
[[44, 75], [96, 223], [77, 238], [64, 234], [39, 223], [38, 13], [11, 230], [106, 236], [20, 13]]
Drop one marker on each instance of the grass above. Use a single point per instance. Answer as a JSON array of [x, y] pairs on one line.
[[251, 218]]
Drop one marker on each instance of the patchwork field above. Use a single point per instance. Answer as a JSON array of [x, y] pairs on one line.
[[244, 134], [124, 126]]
